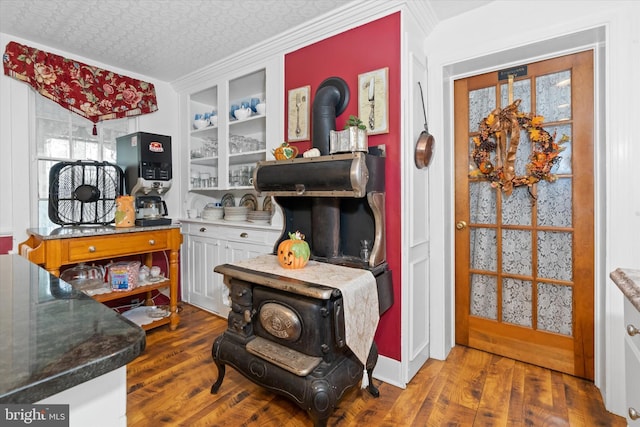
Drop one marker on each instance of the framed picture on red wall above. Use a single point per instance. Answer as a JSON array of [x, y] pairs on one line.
[[373, 100], [298, 114]]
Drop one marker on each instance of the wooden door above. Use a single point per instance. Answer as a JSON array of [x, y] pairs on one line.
[[525, 260]]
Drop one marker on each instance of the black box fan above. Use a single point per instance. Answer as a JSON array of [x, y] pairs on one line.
[[84, 192]]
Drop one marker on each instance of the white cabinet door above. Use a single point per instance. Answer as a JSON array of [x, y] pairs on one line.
[[632, 356], [632, 359], [205, 288], [202, 286]]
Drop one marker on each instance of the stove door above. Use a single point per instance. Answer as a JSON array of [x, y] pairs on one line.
[[311, 326]]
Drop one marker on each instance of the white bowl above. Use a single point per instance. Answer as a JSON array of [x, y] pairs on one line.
[[242, 113], [261, 108], [199, 124]]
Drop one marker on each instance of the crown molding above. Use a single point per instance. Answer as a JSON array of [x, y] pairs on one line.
[[350, 15], [423, 13]]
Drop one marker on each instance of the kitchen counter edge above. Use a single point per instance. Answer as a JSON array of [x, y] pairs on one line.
[[628, 280]]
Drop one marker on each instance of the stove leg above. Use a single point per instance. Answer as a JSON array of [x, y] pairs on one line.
[[319, 422], [221, 367], [216, 386], [372, 360]]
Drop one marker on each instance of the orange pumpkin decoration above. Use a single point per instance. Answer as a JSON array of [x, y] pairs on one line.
[[294, 252]]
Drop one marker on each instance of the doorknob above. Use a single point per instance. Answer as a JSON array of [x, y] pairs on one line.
[[461, 225]]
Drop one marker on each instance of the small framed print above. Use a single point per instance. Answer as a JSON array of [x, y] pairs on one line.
[[298, 114], [373, 100]]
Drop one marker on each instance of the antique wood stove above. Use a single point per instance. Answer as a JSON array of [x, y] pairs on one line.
[[288, 334]]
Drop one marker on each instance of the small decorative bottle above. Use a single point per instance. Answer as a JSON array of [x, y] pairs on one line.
[[365, 251]]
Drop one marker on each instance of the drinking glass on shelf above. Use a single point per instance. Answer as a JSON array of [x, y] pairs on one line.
[[246, 145], [195, 179], [204, 179], [246, 175], [235, 177]]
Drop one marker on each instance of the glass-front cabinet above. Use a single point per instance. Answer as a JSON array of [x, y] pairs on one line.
[[232, 117], [230, 131], [203, 140], [247, 135]]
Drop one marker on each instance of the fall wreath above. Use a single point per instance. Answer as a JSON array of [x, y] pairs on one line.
[[500, 133]]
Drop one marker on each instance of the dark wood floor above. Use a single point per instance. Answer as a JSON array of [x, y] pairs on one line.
[[169, 384]]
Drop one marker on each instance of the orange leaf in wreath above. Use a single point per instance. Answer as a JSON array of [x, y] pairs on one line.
[[537, 121], [534, 134]]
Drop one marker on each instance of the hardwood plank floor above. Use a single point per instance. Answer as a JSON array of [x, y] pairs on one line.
[[169, 384]]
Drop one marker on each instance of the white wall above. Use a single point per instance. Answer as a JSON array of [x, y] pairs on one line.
[[17, 209], [491, 37]]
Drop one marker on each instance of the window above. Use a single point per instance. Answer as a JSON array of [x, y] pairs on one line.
[[65, 136]]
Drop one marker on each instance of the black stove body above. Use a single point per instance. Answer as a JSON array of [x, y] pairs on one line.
[[288, 335]]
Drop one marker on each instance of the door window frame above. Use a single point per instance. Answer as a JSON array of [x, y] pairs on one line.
[[443, 304]]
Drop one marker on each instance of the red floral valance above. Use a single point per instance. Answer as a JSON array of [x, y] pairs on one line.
[[86, 90]]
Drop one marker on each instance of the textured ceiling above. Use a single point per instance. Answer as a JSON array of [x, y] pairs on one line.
[[167, 39]]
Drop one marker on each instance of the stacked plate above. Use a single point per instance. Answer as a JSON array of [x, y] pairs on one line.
[[212, 212], [232, 213], [259, 217]]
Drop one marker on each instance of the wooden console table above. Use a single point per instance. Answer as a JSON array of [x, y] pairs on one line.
[[56, 247]]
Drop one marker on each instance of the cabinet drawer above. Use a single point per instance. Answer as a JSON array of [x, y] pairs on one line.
[[202, 230], [232, 233], [114, 245], [247, 235]]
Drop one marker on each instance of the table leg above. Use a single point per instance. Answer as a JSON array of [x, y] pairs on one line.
[[173, 290]]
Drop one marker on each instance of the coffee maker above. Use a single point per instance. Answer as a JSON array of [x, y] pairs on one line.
[[145, 159]]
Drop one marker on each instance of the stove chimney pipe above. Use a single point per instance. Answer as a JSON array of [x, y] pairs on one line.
[[330, 101]]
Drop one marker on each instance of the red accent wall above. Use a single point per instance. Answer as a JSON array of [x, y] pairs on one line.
[[6, 244], [366, 48]]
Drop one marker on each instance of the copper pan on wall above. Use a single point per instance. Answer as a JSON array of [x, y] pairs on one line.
[[426, 141]]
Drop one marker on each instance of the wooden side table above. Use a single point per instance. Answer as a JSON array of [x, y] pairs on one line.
[[64, 246]]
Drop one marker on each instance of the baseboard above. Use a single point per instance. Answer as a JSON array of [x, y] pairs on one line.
[[390, 371]]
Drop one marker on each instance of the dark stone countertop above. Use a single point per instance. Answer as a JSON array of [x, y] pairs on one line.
[[628, 280], [54, 338]]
